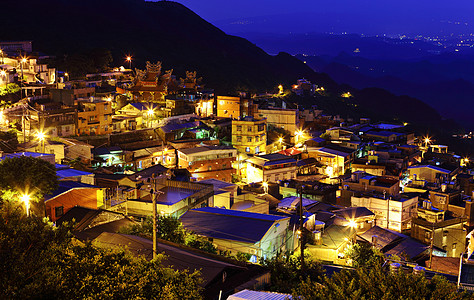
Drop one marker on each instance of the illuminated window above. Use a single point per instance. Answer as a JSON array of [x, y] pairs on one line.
[[249, 139], [239, 127], [239, 139]]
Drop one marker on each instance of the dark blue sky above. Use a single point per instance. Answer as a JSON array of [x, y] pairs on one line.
[[214, 10], [359, 14]]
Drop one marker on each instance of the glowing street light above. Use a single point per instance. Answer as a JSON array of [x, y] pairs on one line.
[[129, 59], [265, 187], [352, 223], [25, 198], [41, 137], [280, 89]]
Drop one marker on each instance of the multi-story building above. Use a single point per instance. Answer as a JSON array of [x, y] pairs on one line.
[[270, 168], [228, 106], [363, 182], [94, 116], [234, 106], [249, 135], [287, 119], [54, 119], [209, 162], [398, 211], [432, 225]]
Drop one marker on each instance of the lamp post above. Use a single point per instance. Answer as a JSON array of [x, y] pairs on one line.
[[25, 198], [150, 114], [41, 137], [2, 53], [3, 76], [129, 59], [22, 61]]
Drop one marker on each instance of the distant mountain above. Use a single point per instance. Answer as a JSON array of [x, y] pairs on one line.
[[165, 31], [445, 84]]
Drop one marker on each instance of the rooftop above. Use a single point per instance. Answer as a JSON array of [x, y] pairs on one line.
[[229, 224]]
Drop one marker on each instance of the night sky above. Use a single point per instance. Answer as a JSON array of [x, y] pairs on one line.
[[419, 13]]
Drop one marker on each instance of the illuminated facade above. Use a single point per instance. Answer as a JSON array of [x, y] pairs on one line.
[[249, 135], [209, 162], [94, 117]]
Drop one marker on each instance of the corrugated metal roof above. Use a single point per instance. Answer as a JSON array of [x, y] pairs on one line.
[[254, 295], [229, 224], [65, 173]]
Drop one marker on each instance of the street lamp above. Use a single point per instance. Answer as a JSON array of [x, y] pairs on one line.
[[66, 75], [22, 61], [150, 114], [41, 137], [129, 59], [265, 187], [25, 198]]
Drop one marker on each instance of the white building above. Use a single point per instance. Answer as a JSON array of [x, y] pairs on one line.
[[270, 168], [397, 210]]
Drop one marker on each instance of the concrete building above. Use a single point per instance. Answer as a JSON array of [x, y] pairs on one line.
[[287, 119], [270, 168], [363, 182], [392, 212], [209, 162], [260, 235], [249, 135], [448, 233], [94, 117]]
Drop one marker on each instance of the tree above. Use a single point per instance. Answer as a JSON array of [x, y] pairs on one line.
[[41, 261], [286, 273], [171, 229], [27, 175], [364, 255], [377, 283]]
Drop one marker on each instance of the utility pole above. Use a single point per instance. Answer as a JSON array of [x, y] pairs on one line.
[[431, 245], [154, 194], [301, 228]]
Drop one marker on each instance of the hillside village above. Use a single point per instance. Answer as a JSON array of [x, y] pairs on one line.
[[255, 175]]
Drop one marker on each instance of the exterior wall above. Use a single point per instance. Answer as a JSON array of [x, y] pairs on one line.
[[205, 108], [212, 164], [258, 174], [448, 235], [363, 186], [399, 213], [441, 200], [249, 136], [228, 107], [369, 169], [86, 197], [56, 149], [335, 165], [274, 241], [424, 174], [282, 118], [96, 119]]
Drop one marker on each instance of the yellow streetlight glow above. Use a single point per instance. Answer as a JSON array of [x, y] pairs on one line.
[[427, 140], [280, 140], [151, 112], [3, 73], [129, 58], [26, 199], [41, 136], [23, 60], [352, 223]]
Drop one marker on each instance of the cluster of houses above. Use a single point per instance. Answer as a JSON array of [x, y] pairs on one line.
[[253, 174]]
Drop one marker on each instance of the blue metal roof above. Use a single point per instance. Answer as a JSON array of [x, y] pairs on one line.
[[65, 173], [229, 224], [65, 186]]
